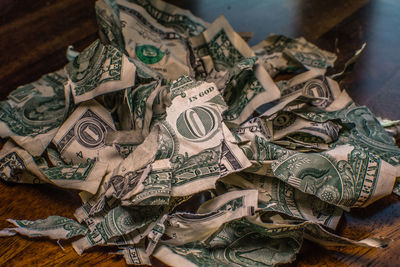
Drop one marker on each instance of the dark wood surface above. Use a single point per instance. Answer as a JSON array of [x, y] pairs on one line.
[[35, 34]]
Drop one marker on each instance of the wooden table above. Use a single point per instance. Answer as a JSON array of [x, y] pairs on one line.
[[33, 39]]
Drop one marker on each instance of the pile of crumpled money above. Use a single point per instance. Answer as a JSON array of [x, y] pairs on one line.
[[166, 106]]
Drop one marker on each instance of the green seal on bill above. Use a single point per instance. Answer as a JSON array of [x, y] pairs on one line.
[[149, 54]]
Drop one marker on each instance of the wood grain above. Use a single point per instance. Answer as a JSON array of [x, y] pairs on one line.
[[35, 34]]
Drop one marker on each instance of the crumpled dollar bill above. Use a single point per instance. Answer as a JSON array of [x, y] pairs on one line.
[[186, 147]]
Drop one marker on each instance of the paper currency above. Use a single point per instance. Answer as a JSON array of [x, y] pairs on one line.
[[190, 146], [287, 124], [192, 137], [365, 131], [355, 187], [344, 186], [99, 69], [161, 47], [140, 254], [17, 165], [54, 227], [238, 243], [126, 179], [168, 15], [83, 176], [219, 47], [110, 26], [248, 88], [274, 195], [319, 235], [135, 255], [33, 112], [312, 231], [309, 84], [183, 228], [54, 157], [157, 186], [119, 221], [140, 102], [302, 51], [82, 135]]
